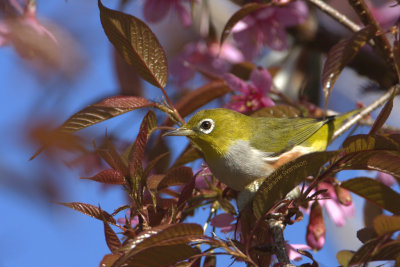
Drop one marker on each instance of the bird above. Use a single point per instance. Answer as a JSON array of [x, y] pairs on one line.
[[239, 149]]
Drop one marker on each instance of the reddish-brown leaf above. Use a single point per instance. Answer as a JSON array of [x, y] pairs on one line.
[[384, 224], [104, 110], [91, 211], [171, 234], [186, 193], [383, 115], [340, 55], [112, 240], [239, 15], [137, 152], [188, 155], [110, 154], [201, 96], [137, 44], [108, 260], [158, 256], [177, 176], [108, 177], [151, 164], [129, 81], [374, 191]]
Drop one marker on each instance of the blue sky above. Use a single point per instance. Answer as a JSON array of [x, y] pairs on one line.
[[35, 231]]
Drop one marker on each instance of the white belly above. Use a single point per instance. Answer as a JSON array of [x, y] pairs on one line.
[[240, 166]]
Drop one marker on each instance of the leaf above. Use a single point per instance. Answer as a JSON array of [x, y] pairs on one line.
[[374, 191], [278, 111], [201, 96], [383, 115], [364, 253], [243, 70], [177, 176], [340, 55], [104, 110], [186, 193], [151, 164], [108, 260], [366, 234], [90, 210], [188, 155], [128, 79], [112, 240], [158, 256], [237, 16], [383, 161], [137, 153], [137, 44], [112, 157], [344, 257], [108, 177], [286, 177], [388, 251], [163, 235], [363, 142], [384, 224]]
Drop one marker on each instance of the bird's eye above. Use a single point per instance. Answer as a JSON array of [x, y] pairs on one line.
[[206, 126]]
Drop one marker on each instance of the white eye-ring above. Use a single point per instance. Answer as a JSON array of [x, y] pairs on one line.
[[206, 126]]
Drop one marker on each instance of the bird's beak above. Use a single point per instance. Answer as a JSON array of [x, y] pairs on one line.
[[180, 132]]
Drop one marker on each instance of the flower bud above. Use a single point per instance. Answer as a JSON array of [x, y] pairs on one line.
[[343, 195], [315, 236]]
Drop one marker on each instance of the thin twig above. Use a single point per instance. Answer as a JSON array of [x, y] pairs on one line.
[[335, 14], [379, 102]]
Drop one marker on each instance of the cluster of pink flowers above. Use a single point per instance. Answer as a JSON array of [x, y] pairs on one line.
[[268, 27], [156, 10], [252, 94]]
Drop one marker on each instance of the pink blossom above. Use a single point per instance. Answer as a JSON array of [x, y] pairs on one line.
[[29, 38], [205, 57], [156, 10], [134, 220], [387, 14], [316, 230], [224, 221], [386, 179], [291, 250], [203, 179], [253, 94], [268, 27], [336, 210]]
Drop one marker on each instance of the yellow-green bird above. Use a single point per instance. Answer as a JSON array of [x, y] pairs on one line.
[[240, 149]]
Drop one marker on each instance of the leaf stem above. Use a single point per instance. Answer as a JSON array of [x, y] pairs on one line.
[[376, 104], [336, 15]]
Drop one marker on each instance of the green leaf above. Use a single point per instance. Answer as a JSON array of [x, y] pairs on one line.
[[340, 55], [344, 257], [374, 191], [157, 256], [384, 224], [108, 177], [177, 176], [237, 16], [137, 44], [286, 177], [90, 210]]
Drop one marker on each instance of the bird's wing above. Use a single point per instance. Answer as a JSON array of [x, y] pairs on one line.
[[278, 135]]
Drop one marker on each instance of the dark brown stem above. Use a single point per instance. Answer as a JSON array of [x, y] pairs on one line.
[[277, 227]]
